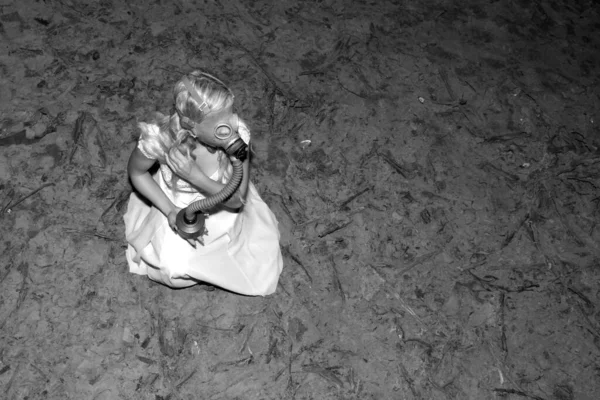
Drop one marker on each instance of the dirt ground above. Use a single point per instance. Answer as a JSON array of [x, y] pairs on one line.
[[434, 166]]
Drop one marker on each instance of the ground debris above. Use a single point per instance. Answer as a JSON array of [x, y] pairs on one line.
[[325, 373], [518, 393], [88, 136]]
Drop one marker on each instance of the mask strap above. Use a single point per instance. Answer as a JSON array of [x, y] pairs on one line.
[[192, 90], [186, 122]]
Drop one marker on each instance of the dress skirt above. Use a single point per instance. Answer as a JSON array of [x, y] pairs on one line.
[[241, 252]]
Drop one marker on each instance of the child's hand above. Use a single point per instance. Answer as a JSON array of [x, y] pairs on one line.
[[183, 165], [172, 218]]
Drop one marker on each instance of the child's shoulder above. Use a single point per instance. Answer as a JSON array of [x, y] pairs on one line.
[[153, 127], [151, 139], [148, 130]]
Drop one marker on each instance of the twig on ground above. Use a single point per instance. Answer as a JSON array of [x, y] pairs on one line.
[[591, 326], [10, 195], [470, 121], [285, 207], [187, 378], [510, 236], [290, 383], [288, 212], [408, 379], [295, 356], [324, 373], [575, 231], [336, 280], [506, 372], [373, 151], [491, 286], [10, 206], [77, 133], [97, 396], [581, 296], [444, 75], [518, 393], [272, 350], [582, 180], [245, 343], [100, 139], [354, 196], [7, 389], [503, 344], [388, 158], [147, 381], [487, 166], [350, 91], [379, 274], [287, 251], [23, 291], [93, 234], [334, 228], [272, 95], [165, 348], [118, 202], [391, 290], [466, 82], [280, 285], [216, 328], [507, 137], [406, 307], [428, 347], [146, 360], [420, 260], [7, 270], [172, 70], [240, 362], [312, 72], [440, 387]]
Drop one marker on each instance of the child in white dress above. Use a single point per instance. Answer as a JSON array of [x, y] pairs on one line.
[[241, 250]]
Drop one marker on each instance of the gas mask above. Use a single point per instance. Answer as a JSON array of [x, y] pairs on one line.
[[224, 135]]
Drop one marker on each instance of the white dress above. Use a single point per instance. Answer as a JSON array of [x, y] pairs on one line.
[[241, 252]]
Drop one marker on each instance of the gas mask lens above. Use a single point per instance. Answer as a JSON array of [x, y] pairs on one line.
[[223, 131]]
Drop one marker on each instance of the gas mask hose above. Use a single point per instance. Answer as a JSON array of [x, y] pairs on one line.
[[191, 221], [224, 194]]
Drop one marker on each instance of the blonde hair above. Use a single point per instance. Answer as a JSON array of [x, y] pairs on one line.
[[216, 96]]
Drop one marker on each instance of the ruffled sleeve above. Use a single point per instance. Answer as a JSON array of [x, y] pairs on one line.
[[148, 133], [140, 146], [244, 132]]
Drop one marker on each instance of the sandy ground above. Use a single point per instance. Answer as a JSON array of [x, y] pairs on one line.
[[434, 166]]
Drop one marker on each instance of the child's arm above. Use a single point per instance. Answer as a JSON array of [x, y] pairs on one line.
[[186, 169], [141, 179]]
